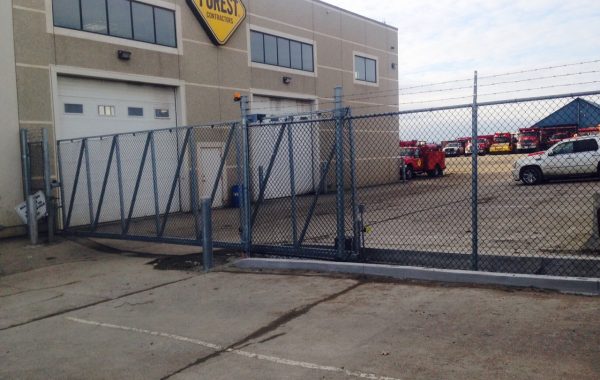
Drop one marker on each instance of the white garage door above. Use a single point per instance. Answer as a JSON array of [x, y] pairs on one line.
[[305, 148], [89, 107]]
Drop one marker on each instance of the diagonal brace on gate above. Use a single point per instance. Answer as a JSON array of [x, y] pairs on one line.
[[104, 183], [313, 205], [175, 181], [263, 185], [75, 185]]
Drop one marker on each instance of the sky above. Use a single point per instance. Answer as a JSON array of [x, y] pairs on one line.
[[443, 40]]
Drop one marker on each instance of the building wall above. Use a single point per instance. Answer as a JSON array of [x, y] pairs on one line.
[[11, 192], [205, 76]]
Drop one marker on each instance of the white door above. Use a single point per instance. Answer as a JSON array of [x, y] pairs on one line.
[[305, 147], [587, 155], [561, 161], [209, 160], [89, 107]]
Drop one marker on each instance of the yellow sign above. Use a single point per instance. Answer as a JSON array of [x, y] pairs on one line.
[[220, 18]]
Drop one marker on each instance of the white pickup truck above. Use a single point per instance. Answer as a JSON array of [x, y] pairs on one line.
[[576, 157]]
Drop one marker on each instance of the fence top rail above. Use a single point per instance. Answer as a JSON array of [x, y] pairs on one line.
[[291, 122], [223, 124], [479, 104]]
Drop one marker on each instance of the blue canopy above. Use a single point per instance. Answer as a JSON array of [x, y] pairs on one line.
[[579, 112]]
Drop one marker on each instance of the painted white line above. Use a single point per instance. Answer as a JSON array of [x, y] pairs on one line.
[[247, 354]]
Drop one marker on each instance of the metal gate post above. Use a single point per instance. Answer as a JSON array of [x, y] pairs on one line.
[[194, 187], [356, 228], [292, 185], [474, 182], [339, 176], [245, 190], [207, 241], [48, 184]]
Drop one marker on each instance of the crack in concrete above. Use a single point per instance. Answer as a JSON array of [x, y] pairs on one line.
[[62, 312], [38, 289], [270, 327]]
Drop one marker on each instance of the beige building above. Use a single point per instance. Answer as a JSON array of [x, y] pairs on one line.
[[71, 65]]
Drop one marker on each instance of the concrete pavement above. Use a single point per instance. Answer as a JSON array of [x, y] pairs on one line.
[[233, 324]]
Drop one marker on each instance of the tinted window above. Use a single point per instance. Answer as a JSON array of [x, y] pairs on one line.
[[135, 111], [370, 71], [165, 27], [93, 13], [73, 108], [161, 113], [119, 17], [359, 68], [66, 13], [257, 47], [270, 50], [365, 69], [307, 57], [283, 52], [279, 51], [143, 22], [564, 148], [296, 54], [586, 146]]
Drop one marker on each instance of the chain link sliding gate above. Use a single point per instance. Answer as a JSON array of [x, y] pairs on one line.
[[330, 185]]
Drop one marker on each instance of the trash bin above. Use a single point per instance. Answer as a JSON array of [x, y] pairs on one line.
[[235, 196]]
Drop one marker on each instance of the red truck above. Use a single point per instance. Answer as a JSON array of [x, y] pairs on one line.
[[535, 139], [483, 145], [421, 158]]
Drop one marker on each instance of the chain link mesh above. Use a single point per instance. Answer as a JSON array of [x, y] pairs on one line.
[[407, 183]]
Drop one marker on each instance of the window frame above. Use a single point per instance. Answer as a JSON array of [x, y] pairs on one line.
[[154, 6], [157, 110], [278, 37], [366, 57], [130, 108], [65, 106], [104, 107]]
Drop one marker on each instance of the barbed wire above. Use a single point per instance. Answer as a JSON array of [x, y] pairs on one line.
[[540, 69]]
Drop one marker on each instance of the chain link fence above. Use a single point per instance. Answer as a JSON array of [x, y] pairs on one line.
[[502, 187]]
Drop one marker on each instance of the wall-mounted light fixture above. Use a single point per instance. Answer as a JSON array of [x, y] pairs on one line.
[[287, 80], [124, 55], [393, 65]]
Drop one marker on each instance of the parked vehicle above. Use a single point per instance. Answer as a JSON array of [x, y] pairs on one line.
[[574, 157], [418, 159], [483, 145], [503, 143], [550, 136], [558, 137], [588, 131], [454, 149], [529, 140]]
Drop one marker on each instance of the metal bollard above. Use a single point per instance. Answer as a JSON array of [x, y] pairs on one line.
[[207, 241]]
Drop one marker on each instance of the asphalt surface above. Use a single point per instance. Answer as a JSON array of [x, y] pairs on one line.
[[111, 315]]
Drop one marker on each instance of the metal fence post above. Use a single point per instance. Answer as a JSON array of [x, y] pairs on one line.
[[292, 166], [357, 229], [245, 190], [207, 241], [339, 148], [30, 202], [474, 182], [194, 186], [48, 184]]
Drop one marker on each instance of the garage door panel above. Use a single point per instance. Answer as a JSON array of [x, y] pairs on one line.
[[305, 148], [120, 96]]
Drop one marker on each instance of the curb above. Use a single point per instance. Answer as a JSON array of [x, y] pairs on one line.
[[570, 285]]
